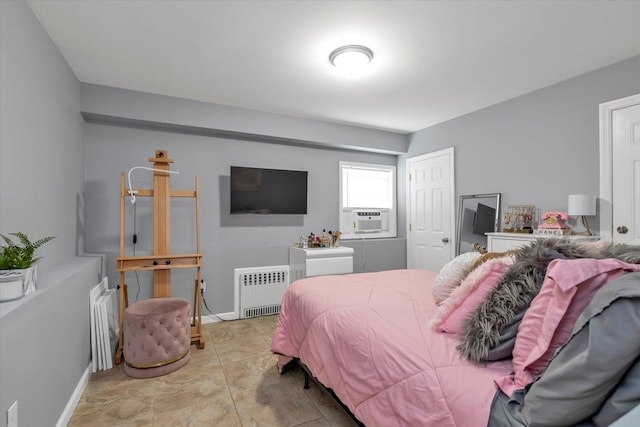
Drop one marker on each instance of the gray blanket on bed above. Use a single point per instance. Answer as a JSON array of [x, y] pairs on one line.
[[594, 379]]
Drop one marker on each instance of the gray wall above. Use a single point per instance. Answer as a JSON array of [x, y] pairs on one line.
[[41, 141], [227, 241], [44, 337], [45, 343], [181, 115], [534, 149], [50, 169]]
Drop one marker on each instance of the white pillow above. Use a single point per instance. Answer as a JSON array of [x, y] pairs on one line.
[[452, 274]]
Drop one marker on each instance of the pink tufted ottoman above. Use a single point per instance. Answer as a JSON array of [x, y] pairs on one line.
[[157, 337]]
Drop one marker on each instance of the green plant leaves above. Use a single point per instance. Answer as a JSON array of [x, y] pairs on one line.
[[22, 255]]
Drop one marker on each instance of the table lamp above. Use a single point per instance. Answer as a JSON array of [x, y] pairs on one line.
[[582, 205]]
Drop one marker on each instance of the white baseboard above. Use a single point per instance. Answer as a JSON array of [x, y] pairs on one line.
[[213, 318], [75, 397]]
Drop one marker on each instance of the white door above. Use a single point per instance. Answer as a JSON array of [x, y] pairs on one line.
[[431, 210], [626, 175], [620, 170]]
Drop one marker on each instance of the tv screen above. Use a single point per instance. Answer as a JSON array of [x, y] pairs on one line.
[[268, 191], [485, 219]]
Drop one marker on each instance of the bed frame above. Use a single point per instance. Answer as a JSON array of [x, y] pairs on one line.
[[308, 375]]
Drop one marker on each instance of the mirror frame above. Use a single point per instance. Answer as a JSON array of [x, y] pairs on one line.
[[470, 202]]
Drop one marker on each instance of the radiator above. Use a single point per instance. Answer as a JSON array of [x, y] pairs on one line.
[[260, 289]]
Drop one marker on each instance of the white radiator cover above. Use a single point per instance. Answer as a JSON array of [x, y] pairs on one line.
[[259, 290]]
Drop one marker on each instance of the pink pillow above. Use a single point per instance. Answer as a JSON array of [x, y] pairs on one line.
[[453, 312], [567, 289]]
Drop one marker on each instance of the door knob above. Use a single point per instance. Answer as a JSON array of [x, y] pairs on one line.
[[445, 240], [622, 229]]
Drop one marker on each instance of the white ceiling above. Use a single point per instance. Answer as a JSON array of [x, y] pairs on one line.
[[433, 60]]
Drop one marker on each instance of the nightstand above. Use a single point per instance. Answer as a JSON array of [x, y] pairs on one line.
[[319, 261]]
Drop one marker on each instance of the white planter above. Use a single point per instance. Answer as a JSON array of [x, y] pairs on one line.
[[11, 285], [30, 279]]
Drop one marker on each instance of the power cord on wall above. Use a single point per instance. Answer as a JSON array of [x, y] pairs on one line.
[[134, 241], [203, 287], [364, 249], [364, 253]]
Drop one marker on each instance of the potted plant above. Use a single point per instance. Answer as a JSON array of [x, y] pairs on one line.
[[11, 285], [21, 257]]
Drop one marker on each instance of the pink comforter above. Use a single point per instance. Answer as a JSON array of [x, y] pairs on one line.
[[367, 337]]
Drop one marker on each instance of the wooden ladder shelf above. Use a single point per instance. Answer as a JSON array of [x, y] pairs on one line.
[[162, 261]]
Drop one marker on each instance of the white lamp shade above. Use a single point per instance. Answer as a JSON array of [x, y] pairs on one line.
[[582, 204]]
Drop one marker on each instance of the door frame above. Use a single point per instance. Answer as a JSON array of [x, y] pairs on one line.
[[452, 204], [605, 202]]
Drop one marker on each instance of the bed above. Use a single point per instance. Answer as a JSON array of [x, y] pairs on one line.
[[422, 348]]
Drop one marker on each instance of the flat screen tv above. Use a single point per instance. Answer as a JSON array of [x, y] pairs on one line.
[[268, 191]]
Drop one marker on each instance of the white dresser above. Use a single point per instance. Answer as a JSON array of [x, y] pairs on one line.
[[501, 242], [319, 261]]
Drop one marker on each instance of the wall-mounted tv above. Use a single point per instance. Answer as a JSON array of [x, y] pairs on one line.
[[268, 191]]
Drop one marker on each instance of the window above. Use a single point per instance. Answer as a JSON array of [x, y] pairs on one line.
[[367, 200]]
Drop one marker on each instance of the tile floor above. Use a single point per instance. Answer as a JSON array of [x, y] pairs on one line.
[[232, 382]]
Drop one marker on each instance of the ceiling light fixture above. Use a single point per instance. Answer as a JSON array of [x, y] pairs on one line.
[[351, 59]]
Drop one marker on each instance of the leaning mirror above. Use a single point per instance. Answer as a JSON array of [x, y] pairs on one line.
[[478, 214]]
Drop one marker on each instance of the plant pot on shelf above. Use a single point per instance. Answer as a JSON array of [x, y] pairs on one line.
[[11, 285], [21, 257], [29, 279]]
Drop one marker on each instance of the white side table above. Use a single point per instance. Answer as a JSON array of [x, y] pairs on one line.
[[319, 261], [501, 242]]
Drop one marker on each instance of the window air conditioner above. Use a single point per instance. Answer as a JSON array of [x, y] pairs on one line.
[[367, 221]]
